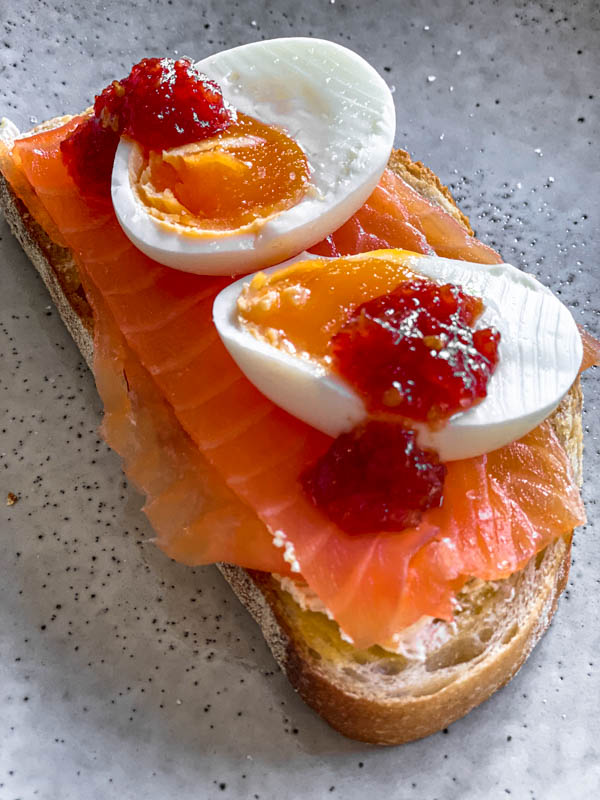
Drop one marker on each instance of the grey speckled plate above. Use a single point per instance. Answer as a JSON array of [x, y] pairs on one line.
[[125, 675]]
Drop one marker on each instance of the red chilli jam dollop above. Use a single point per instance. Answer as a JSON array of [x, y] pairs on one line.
[[375, 478], [413, 353], [161, 104]]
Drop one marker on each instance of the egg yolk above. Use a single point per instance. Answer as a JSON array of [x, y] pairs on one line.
[[299, 308], [239, 177]]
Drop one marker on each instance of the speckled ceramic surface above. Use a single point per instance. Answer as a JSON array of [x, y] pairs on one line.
[[125, 675]]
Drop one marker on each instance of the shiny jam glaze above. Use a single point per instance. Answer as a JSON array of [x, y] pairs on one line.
[[89, 152], [300, 307], [166, 103], [161, 104], [375, 478], [247, 172], [413, 352]]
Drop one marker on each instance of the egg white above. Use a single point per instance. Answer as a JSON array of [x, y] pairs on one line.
[[338, 109], [539, 357]]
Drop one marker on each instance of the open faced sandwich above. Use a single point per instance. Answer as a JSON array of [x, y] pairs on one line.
[[376, 435]]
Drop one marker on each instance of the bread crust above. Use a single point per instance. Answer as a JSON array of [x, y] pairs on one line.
[[384, 717]]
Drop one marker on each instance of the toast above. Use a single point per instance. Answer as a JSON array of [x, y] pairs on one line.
[[372, 695]]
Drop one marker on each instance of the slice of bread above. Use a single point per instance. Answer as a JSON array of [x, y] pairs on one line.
[[373, 695]]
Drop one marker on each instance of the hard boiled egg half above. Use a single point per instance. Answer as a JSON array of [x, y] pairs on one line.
[[338, 116], [300, 305]]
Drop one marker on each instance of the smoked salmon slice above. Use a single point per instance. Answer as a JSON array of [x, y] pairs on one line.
[[395, 215], [198, 520], [591, 350], [220, 463]]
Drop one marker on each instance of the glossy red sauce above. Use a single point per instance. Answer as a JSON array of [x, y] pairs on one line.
[[413, 352], [161, 104], [375, 478]]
